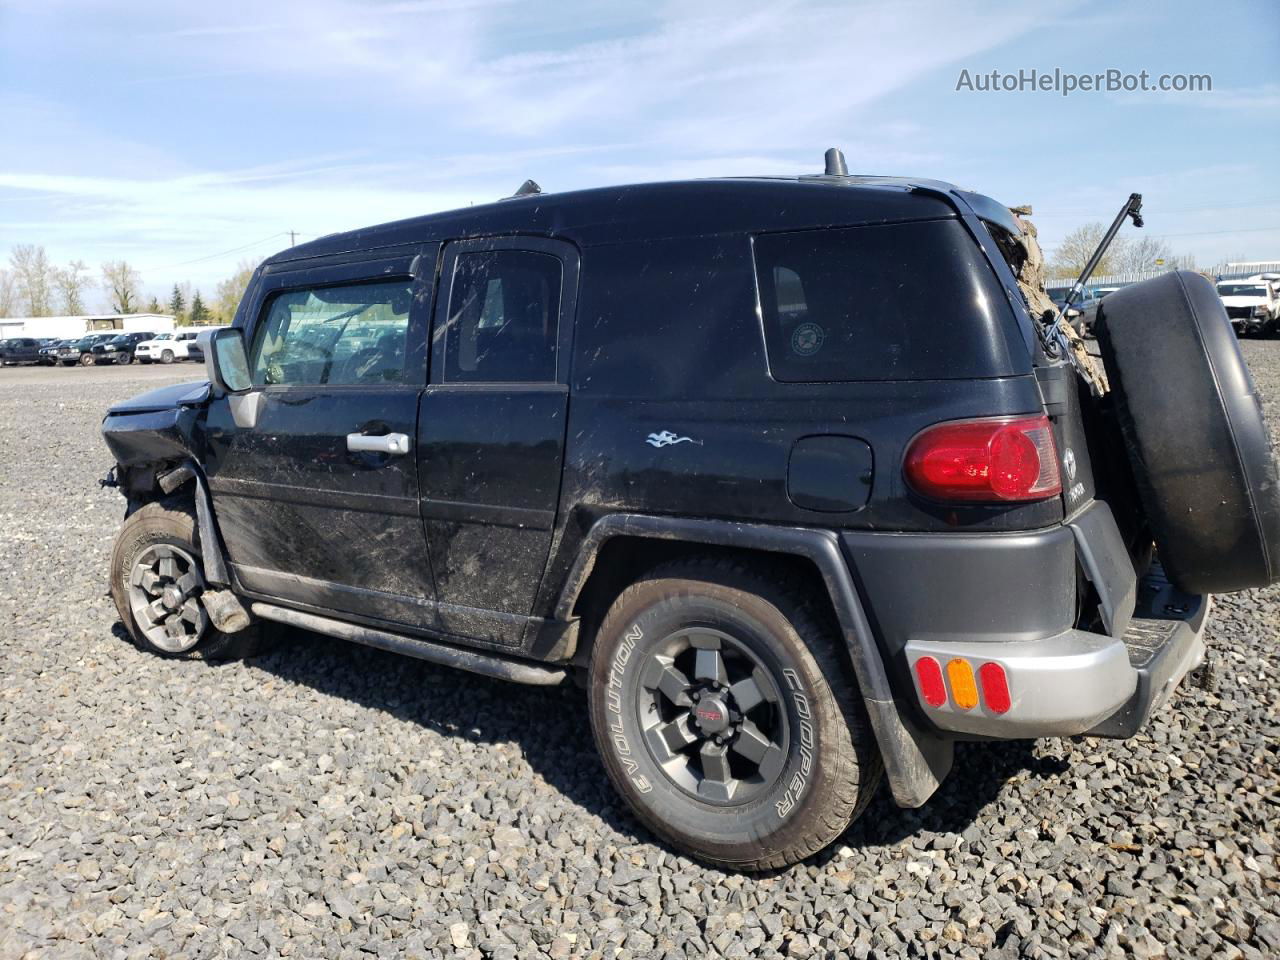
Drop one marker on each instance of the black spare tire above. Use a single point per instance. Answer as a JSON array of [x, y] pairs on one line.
[[1193, 425]]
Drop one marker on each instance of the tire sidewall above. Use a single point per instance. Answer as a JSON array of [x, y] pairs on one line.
[[154, 523], [140, 531], [733, 832]]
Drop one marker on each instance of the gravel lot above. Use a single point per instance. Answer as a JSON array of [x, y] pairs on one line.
[[329, 800]]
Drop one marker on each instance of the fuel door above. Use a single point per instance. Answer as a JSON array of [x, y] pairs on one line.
[[830, 473]]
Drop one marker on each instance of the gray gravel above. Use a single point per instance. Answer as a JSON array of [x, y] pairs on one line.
[[333, 801]]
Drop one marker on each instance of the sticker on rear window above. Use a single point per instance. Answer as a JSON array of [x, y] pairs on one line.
[[806, 339]]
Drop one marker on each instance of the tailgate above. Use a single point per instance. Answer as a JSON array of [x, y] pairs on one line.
[[1059, 387]]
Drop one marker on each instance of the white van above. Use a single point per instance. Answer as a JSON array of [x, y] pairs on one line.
[[168, 347]]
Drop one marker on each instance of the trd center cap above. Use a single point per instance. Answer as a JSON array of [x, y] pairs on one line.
[[711, 715]]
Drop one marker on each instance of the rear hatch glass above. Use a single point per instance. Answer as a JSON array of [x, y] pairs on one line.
[[900, 301]]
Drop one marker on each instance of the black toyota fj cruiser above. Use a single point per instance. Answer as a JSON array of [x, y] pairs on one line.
[[793, 474]]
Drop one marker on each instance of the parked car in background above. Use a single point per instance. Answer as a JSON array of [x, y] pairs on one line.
[[1101, 292], [1253, 303], [49, 351], [19, 350], [1083, 312], [78, 351], [168, 347], [120, 348]]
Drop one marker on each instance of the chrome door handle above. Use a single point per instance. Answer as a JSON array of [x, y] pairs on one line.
[[393, 443]]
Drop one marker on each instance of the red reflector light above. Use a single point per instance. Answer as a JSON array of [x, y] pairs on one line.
[[992, 458], [995, 687], [929, 675]]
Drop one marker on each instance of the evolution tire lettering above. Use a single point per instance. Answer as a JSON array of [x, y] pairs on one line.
[[800, 779], [613, 701]]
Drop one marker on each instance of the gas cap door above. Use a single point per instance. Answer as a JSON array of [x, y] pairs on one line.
[[830, 473]]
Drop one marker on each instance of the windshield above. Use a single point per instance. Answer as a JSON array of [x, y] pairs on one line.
[[163, 336], [1241, 290]]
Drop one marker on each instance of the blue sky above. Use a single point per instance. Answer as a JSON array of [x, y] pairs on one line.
[[188, 137]]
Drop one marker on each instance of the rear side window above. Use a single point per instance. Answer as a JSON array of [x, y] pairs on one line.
[[904, 301], [504, 316], [334, 335]]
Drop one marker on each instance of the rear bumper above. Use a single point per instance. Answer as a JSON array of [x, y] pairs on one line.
[[1079, 682]]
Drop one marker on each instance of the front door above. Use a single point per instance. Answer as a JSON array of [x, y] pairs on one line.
[[491, 430], [317, 497]]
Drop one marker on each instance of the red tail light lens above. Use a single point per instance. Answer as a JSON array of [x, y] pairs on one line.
[[994, 458], [995, 687], [932, 687]]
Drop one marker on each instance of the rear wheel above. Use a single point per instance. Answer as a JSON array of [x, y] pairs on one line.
[[157, 584], [727, 719]]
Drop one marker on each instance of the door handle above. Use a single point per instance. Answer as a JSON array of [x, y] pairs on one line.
[[393, 443]]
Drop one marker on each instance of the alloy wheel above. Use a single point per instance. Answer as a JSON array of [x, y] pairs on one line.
[[713, 717], [164, 596]]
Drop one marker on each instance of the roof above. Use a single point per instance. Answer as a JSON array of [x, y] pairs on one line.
[[660, 210]]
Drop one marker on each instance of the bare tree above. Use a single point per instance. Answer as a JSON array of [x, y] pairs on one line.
[[121, 282], [1134, 254], [72, 282], [33, 277], [231, 291], [1075, 250], [8, 294]]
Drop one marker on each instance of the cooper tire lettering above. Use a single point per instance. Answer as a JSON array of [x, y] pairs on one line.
[[800, 779]]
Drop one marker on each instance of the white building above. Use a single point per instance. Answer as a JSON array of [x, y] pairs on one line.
[[67, 327]]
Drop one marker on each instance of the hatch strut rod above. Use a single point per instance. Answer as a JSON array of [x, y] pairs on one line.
[[1131, 208]]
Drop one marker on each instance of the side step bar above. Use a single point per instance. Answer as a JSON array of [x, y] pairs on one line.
[[487, 664]]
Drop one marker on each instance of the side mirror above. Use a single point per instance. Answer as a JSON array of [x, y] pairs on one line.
[[225, 359], [1073, 313]]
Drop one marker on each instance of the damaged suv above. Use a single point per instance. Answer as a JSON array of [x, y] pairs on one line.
[[800, 477]]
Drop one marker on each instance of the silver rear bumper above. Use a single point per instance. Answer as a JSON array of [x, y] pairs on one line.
[[1078, 682]]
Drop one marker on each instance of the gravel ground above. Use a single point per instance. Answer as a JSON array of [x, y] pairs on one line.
[[329, 800]]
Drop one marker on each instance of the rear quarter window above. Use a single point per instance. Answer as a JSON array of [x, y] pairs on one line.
[[903, 301]]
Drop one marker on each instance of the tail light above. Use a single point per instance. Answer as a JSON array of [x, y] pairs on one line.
[[995, 687], [961, 687], [989, 459]]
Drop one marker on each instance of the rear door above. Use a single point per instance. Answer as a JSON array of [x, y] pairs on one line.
[[318, 499], [491, 430]]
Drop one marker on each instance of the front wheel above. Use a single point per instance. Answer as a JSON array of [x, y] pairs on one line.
[[124, 359], [86, 360], [157, 584], [166, 356], [726, 716]]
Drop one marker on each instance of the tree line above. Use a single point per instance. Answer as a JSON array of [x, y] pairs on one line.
[[1125, 255], [33, 286]]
